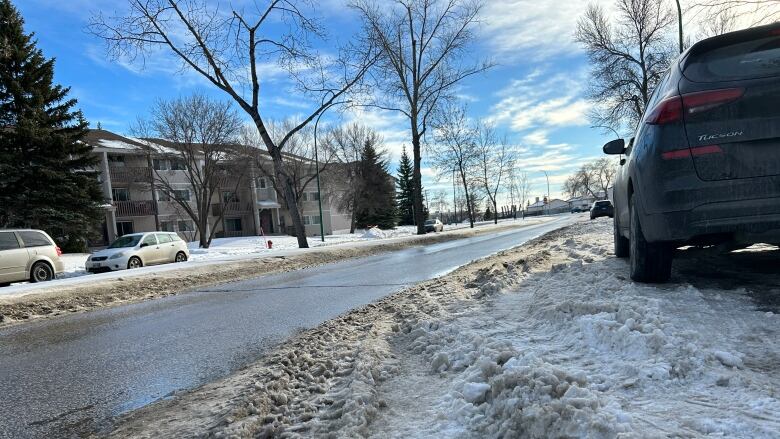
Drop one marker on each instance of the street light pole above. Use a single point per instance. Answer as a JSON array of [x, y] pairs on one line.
[[548, 191]]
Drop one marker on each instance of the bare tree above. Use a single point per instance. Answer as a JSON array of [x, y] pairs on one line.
[[494, 159], [523, 188], [348, 145], [749, 12], [299, 157], [229, 47], [197, 136], [456, 151], [628, 58], [592, 179], [718, 23], [440, 201], [422, 44]]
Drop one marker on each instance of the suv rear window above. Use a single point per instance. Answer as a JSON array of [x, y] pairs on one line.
[[8, 241], [34, 239], [747, 59]]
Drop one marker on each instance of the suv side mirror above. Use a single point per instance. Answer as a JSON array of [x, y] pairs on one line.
[[143, 244], [617, 146]]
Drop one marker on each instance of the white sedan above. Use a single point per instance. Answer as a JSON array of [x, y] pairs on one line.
[[137, 250]]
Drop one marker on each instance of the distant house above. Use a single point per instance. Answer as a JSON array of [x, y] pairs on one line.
[[555, 205], [581, 203]]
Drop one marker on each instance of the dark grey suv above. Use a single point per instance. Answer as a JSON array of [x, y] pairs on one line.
[[704, 165]]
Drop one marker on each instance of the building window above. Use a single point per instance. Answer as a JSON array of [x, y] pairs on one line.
[[178, 165], [120, 194], [163, 196], [167, 226], [182, 194], [311, 220], [160, 164], [229, 197], [310, 196], [116, 160], [233, 224], [263, 183], [186, 226], [124, 228]]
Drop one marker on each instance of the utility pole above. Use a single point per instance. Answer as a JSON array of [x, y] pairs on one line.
[[680, 26], [548, 192]]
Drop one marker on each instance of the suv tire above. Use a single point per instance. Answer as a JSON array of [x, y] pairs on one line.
[[650, 262], [621, 243]]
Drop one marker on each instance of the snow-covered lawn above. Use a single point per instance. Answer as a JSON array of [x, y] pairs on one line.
[[242, 248], [251, 246]]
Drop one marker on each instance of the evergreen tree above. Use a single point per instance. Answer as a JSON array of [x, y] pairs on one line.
[[405, 183], [488, 214], [45, 177], [376, 195]]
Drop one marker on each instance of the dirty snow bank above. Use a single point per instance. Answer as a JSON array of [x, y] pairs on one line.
[[582, 352]]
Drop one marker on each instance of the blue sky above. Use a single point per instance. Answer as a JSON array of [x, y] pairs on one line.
[[535, 94]]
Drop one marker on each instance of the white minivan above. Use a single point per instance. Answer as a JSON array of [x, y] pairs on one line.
[[28, 255], [137, 250]]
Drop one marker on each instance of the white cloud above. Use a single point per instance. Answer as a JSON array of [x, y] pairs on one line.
[[541, 103], [535, 29], [537, 137]]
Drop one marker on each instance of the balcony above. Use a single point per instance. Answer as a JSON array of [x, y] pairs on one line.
[[130, 174], [134, 208], [230, 208]]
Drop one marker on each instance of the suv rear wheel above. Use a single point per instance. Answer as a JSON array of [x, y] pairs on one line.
[[650, 261], [621, 243]]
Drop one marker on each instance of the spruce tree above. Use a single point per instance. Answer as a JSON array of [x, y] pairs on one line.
[[376, 196], [46, 177], [405, 190]]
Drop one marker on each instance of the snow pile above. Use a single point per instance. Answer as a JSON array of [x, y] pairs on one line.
[[581, 352], [374, 233]]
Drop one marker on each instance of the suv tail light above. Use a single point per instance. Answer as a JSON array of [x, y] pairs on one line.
[[667, 111], [672, 108], [58, 250]]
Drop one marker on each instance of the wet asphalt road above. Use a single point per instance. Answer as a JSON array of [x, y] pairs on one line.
[[69, 376]]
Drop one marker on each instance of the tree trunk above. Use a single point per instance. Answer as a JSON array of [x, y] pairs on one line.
[[419, 214], [290, 201], [469, 203], [495, 213], [288, 192], [203, 232]]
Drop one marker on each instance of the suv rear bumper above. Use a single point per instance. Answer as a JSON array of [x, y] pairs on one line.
[[748, 220]]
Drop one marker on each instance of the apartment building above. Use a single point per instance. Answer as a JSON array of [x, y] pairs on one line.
[[130, 175]]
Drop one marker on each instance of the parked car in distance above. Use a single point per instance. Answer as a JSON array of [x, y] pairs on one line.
[[138, 250], [601, 208], [704, 165], [578, 209], [434, 225], [28, 255]]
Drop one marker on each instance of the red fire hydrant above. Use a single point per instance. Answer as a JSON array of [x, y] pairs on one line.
[[270, 244]]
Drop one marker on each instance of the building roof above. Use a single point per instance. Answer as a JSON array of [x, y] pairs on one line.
[[99, 138]]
